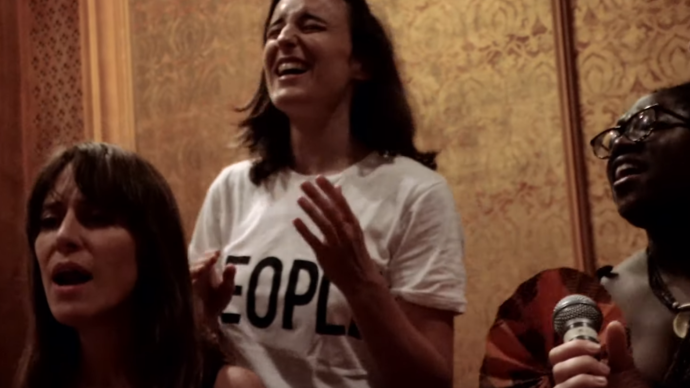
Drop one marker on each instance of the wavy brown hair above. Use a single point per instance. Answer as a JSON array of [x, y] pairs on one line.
[[174, 350], [380, 117]]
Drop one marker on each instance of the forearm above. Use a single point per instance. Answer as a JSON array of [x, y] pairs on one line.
[[402, 354]]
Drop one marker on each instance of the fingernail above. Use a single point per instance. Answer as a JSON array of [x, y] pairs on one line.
[[600, 381], [604, 368]]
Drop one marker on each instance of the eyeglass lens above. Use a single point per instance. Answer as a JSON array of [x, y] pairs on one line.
[[635, 129]]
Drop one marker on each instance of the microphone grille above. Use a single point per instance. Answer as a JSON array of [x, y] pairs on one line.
[[576, 307]]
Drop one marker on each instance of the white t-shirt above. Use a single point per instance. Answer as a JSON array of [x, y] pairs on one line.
[[289, 324]]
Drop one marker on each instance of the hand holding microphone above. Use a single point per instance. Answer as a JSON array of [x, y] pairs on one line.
[[576, 362]]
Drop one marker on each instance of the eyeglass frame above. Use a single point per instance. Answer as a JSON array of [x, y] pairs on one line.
[[623, 128]]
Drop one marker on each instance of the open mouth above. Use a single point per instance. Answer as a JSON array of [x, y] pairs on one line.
[[626, 170], [70, 274], [291, 67]]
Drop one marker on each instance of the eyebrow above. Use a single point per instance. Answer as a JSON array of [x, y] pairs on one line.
[[304, 16], [275, 23], [311, 16], [51, 205]]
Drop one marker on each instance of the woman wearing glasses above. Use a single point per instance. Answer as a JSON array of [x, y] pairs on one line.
[[648, 167]]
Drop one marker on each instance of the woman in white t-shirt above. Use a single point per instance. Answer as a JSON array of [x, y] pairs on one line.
[[343, 243]]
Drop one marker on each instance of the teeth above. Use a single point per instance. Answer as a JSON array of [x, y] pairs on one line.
[[620, 170], [287, 66]]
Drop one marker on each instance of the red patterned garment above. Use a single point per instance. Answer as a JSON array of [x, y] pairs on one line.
[[519, 341]]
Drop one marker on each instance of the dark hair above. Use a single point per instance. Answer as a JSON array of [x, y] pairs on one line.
[[679, 94], [380, 117], [172, 347]]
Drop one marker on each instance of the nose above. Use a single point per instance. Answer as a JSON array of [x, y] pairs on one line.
[[287, 37], [622, 145], [68, 238]]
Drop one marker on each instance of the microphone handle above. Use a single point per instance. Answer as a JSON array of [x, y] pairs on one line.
[[580, 329]]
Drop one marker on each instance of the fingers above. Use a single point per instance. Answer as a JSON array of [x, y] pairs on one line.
[[227, 285], [308, 236], [573, 349], [207, 258], [584, 381], [619, 357], [581, 365], [335, 194], [229, 276], [576, 366], [325, 205], [201, 266], [324, 224], [335, 209]]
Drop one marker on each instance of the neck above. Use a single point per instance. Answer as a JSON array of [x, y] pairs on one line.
[[323, 144], [670, 249], [104, 355]]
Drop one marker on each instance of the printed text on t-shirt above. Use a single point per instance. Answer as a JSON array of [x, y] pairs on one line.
[[291, 299]]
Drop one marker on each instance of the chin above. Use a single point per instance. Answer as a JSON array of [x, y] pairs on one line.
[[73, 315], [291, 100], [640, 212]]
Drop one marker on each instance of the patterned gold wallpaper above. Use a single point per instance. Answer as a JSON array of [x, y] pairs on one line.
[[41, 97], [52, 101], [482, 75], [483, 81], [625, 49], [193, 62]]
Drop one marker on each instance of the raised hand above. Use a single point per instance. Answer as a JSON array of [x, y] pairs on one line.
[[342, 254], [214, 289]]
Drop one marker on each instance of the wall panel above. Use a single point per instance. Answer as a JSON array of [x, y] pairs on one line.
[[41, 109], [12, 279], [53, 100]]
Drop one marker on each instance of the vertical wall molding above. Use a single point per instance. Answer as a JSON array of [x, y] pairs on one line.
[[576, 172], [23, 23], [107, 72]]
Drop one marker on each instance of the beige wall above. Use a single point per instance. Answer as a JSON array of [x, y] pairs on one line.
[[193, 63], [486, 94], [482, 75]]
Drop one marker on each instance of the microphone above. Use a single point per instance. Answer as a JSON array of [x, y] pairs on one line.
[[577, 317]]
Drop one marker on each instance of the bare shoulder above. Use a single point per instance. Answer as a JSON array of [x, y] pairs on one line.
[[630, 280], [237, 377]]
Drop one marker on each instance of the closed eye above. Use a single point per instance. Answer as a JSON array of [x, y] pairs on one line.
[[49, 222], [273, 33], [311, 22], [312, 27], [92, 217]]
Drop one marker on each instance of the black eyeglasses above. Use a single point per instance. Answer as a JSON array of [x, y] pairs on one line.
[[637, 128]]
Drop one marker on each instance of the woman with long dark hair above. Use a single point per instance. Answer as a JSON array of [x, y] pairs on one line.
[[110, 291], [363, 289]]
